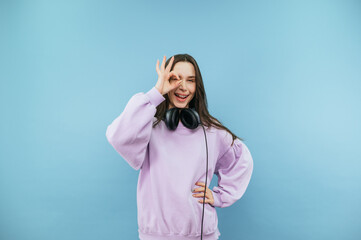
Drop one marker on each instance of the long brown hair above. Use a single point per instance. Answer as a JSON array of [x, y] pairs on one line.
[[199, 101]]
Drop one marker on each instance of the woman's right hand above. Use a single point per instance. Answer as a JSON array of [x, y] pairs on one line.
[[165, 84]]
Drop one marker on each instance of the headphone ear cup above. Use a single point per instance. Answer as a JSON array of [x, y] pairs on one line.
[[171, 118], [190, 118]]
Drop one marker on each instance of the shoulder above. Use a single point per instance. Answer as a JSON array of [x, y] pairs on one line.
[[223, 139], [223, 136], [226, 143]]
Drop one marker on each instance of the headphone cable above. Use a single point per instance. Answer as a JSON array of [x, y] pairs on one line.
[[204, 196]]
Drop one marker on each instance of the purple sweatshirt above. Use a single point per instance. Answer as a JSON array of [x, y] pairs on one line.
[[170, 164]]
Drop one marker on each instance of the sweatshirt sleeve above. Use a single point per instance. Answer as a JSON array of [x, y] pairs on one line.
[[234, 170], [130, 132]]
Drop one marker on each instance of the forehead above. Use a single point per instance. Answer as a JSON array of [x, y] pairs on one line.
[[184, 68]]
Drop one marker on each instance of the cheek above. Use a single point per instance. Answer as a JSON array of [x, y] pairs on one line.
[[192, 95], [171, 93], [193, 89]]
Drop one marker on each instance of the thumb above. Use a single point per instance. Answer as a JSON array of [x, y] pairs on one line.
[[176, 84]]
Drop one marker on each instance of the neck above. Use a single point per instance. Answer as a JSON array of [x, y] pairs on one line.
[[172, 106]]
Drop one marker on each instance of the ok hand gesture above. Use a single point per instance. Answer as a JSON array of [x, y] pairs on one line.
[[164, 85]]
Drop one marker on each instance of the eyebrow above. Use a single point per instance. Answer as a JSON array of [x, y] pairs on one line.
[[188, 76]]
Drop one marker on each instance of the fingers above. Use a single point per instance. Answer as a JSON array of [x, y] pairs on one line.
[[159, 71], [208, 198], [200, 184], [169, 64], [157, 67], [173, 74], [174, 85], [163, 64], [201, 190], [206, 201], [175, 77], [201, 194]]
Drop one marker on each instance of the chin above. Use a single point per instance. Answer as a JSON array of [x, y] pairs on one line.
[[179, 105]]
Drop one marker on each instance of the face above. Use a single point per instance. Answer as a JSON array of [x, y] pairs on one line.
[[186, 73]]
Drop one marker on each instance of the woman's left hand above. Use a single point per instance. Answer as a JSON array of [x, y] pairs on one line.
[[209, 194]]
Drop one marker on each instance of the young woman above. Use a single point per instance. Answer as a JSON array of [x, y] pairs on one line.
[[173, 156]]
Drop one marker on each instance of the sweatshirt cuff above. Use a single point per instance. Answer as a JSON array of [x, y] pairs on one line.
[[217, 199], [155, 97]]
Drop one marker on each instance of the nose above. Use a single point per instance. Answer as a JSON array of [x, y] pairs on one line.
[[183, 84]]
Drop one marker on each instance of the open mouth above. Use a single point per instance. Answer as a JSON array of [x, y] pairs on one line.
[[181, 97]]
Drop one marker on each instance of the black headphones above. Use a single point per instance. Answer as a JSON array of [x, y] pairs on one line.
[[188, 116], [190, 119]]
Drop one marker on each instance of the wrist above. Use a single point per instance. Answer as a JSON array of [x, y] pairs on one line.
[[159, 90]]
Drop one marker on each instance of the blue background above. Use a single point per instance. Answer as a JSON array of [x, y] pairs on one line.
[[283, 75]]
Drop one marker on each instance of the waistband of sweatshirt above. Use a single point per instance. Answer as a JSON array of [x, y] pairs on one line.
[[155, 236]]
